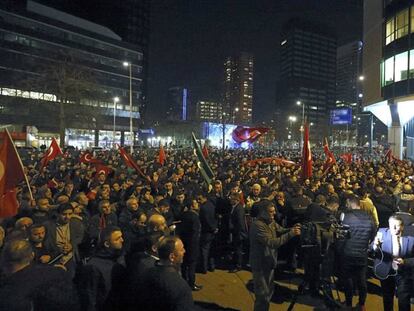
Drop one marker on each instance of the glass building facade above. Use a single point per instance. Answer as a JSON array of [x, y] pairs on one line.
[[54, 65]]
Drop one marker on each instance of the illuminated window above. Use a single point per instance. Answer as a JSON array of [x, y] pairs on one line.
[[401, 23], [412, 64], [389, 71], [389, 31], [401, 66]]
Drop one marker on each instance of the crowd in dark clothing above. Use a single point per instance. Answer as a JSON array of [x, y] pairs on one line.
[[124, 240]]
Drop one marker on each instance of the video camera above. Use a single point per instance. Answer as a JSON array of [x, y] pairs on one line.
[[323, 234]]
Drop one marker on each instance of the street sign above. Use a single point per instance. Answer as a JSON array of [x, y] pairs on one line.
[[341, 116]]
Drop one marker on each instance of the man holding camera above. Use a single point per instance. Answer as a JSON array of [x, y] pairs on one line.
[[266, 236], [354, 249]]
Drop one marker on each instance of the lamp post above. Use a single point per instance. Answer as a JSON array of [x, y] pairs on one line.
[[127, 64], [236, 110], [116, 99], [302, 127], [291, 120]]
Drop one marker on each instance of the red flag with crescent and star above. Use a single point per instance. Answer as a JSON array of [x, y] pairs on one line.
[[11, 174], [102, 169], [330, 158], [306, 155], [51, 153], [88, 158]]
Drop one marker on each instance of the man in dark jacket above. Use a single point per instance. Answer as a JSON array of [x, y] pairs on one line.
[[105, 218], [354, 249], [163, 288], [238, 230], [33, 287], [208, 222], [266, 236], [100, 281], [65, 234], [189, 232]]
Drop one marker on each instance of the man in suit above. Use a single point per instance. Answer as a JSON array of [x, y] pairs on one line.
[[395, 258], [238, 230], [266, 236], [189, 232], [209, 228]]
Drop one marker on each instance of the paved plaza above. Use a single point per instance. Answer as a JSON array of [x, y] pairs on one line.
[[233, 291]]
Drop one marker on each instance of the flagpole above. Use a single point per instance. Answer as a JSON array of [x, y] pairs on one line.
[[21, 164]]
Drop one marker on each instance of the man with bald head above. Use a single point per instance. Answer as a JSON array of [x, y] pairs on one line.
[[157, 223], [27, 286]]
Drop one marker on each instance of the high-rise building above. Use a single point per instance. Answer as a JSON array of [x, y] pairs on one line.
[[388, 69], [177, 104], [209, 111], [348, 73], [306, 86], [61, 73], [238, 88]]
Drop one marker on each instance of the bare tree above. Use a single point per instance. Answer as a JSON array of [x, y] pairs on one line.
[[70, 82]]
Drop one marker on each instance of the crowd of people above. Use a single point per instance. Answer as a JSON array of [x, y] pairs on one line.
[[127, 240]]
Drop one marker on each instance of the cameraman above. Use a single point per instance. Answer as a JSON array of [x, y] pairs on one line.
[[266, 236], [353, 250]]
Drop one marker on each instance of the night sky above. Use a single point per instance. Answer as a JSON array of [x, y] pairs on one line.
[[191, 38]]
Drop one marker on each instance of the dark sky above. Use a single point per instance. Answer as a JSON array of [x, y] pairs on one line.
[[191, 38]]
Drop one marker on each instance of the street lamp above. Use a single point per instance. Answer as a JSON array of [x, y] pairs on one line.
[[234, 114], [291, 120], [116, 99], [302, 127], [129, 65]]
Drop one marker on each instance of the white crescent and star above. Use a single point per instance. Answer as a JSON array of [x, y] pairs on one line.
[[50, 151], [1, 170]]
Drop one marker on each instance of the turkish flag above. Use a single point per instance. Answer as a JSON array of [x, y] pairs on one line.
[[51, 153], [102, 169], [205, 151], [11, 174], [306, 155], [330, 158], [347, 157], [129, 161], [87, 158], [161, 156]]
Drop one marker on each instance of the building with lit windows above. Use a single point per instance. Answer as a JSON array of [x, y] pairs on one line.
[[388, 68], [209, 111], [306, 84], [134, 28], [238, 88], [60, 74]]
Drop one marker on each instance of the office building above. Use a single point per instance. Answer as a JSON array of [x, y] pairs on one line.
[[388, 68], [209, 111], [129, 19], [238, 88], [306, 85], [61, 73]]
